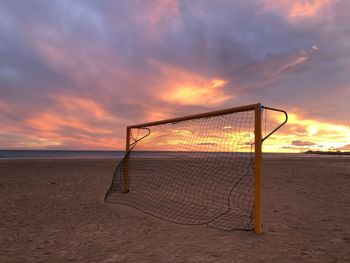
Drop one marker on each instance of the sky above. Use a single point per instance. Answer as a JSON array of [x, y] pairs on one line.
[[74, 74]]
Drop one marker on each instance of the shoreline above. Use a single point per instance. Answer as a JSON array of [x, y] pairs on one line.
[[266, 156], [328, 153]]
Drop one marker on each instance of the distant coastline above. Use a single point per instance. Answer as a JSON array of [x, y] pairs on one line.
[[327, 152]]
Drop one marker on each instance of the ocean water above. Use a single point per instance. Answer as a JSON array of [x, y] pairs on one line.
[[58, 154], [63, 154]]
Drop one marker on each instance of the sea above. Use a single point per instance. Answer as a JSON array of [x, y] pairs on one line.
[[65, 154], [58, 154]]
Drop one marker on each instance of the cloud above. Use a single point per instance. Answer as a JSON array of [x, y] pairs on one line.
[[183, 88], [345, 147], [302, 143], [296, 9], [207, 143], [74, 74], [302, 133]]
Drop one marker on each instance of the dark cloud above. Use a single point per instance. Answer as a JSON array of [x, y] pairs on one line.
[[302, 143]]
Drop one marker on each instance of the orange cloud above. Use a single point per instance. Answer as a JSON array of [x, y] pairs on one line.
[[77, 104], [204, 92], [296, 8], [52, 122], [185, 88], [75, 125], [55, 131], [306, 8], [301, 134], [156, 115]]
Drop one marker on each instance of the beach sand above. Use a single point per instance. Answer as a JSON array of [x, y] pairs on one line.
[[53, 211]]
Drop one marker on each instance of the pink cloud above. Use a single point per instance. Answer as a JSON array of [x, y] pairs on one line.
[[296, 9]]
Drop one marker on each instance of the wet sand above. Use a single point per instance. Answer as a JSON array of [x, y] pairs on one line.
[[53, 211]]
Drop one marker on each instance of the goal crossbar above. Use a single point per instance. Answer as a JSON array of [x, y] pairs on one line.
[[198, 116]]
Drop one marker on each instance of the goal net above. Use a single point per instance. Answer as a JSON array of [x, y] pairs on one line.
[[198, 169]]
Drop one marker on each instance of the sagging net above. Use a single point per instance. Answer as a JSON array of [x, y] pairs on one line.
[[198, 171]]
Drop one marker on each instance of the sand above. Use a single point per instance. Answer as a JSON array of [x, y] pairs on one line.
[[53, 211]]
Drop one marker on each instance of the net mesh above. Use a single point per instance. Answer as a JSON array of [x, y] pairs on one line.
[[198, 171]]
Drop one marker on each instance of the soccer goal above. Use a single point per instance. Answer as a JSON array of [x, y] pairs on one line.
[[197, 169]]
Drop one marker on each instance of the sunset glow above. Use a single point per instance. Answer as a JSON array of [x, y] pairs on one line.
[[203, 92], [74, 75], [297, 9], [304, 134]]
